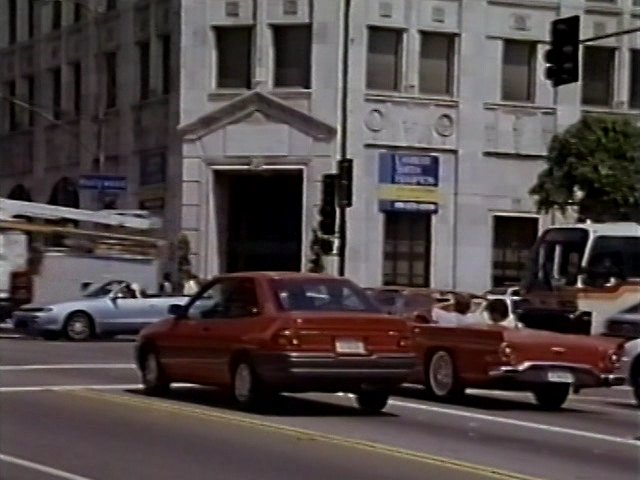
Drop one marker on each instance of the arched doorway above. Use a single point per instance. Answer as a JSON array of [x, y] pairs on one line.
[[65, 194], [21, 193]]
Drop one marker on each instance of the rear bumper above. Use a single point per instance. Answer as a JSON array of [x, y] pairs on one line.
[[332, 373], [582, 376]]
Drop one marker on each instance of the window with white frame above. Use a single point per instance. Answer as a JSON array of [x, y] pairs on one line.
[[292, 56], [384, 59], [234, 50], [437, 57], [519, 71], [598, 70], [634, 80], [513, 238]]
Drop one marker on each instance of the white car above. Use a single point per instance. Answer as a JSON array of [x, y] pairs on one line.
[[630, 366]]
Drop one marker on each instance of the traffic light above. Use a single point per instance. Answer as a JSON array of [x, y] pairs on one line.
[[563, 58], [345, 182], [328, 217]]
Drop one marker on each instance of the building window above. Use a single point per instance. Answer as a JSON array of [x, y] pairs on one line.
[[634, 81], [31, 19], [153, 169], [513, 238], [31, 98], [165, 45], [519, 71], [111, 79], [437, 56], [13, 113], [292, 56], [77, 12], [233, 48], [76, 71], [384, 59], [598, 66], [407, 249], [13, 21], [144, 77], [56, 93], [56, 15]]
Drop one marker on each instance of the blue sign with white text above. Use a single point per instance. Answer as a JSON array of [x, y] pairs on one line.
[[408, 182], [103, 183]]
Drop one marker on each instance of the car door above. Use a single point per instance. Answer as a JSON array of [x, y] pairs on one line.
[[217, 329]]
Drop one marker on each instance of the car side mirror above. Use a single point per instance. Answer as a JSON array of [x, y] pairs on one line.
[[176, 310]]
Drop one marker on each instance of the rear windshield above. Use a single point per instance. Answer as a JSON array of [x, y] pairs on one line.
[[322, 295]]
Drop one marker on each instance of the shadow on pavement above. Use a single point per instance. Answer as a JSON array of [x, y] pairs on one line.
[[480, 402], [280, 405]]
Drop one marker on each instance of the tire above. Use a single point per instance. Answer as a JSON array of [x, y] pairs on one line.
[[441, 378], [247, 389], [552, 397], [78, 327], [154, 380], [372, 402]]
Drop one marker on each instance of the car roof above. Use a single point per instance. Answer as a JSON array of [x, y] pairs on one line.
[[283, 275]]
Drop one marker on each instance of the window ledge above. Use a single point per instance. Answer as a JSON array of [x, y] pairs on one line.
[[226, 93], [404, 97], [608, 110], [519, 106], [291, 93]]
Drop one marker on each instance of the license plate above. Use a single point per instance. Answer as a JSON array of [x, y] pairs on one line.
[[560, 376], [350, 346]]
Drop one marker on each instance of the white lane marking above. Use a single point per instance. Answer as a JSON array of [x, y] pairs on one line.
[[68, 366], [518, 423], [54, 472], [60, 388]]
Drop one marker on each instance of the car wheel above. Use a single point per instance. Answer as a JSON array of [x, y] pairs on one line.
[[247, 389], [552, 397], [441, 380], [153, 378], [78, 327], [372, 402]]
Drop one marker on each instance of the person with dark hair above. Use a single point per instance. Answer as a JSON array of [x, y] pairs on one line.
[[497, 313]]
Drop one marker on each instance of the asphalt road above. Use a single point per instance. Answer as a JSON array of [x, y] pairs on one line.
[[74, 411]]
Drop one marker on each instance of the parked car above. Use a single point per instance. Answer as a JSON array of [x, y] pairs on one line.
[[624, 324], [631, 367], [258, 334], [113, 308], [494, 357]]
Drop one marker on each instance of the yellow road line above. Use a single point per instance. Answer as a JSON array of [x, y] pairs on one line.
[[303, 434]]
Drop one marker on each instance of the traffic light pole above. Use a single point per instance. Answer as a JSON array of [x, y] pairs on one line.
[[610, 35], [344, 112]]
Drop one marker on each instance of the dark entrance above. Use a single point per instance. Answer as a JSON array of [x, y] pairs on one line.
[[262, 228]]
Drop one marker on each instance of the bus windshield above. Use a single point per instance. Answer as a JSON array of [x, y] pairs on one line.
[[557, 258]]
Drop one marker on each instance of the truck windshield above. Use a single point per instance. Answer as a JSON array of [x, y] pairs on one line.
[[622, 254], [557, 257]]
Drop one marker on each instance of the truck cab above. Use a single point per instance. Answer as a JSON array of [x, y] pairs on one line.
[[579, 275]]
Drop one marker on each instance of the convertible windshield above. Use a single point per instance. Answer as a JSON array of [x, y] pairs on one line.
[[322, 295], [105, 289]]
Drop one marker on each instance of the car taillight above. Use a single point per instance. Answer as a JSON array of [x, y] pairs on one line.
[[286, 338], [614, 358], [506, 353]]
